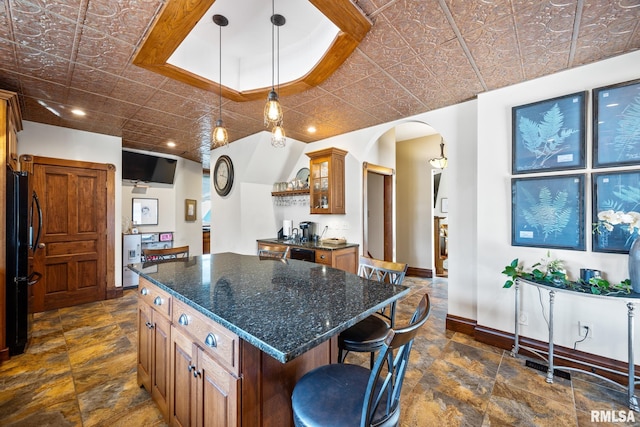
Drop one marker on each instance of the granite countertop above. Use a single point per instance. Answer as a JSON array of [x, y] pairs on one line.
[[282, 307], [308, 245]]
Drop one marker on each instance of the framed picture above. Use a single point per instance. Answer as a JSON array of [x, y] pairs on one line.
[[617, 192], [548, 212], [189, 210], [549, 135], [616, 125], [145, 211]]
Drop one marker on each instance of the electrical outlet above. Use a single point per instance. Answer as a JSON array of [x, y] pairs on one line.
[[345, 225], [523, 318], [585, 329]]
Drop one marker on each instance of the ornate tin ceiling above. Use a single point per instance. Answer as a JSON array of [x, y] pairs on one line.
[[419, 55]]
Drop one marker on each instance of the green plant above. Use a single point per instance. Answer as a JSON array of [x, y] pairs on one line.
[[601, 286], [514, 270]]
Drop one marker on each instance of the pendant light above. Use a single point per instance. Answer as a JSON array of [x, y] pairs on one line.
[[273, 110], [440, 162], [220, 136]]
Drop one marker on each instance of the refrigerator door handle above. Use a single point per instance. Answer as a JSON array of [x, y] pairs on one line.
[[35, 199]]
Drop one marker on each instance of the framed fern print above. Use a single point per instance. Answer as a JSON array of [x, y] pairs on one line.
[[616, 125], [614, 192], [548, 212], [549, 135]]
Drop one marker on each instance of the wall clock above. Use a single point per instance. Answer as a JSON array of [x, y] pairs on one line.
[[223, 175]]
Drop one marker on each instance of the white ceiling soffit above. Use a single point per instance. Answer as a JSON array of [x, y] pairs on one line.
[[246, 43], [413, 130]]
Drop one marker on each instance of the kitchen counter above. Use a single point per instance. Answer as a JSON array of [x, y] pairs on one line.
[[307, 245], [282, 307]]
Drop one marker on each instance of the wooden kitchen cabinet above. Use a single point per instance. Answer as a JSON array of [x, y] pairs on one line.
[[326, 181], [343, 259], [204, 364], [154, 343]]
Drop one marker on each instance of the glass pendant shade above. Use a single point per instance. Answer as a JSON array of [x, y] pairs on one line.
[[440, 162], [272, 110], [278, 138], [220, 136]]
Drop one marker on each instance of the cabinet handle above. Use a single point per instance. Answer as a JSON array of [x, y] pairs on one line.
[[149, 325], [144, 291], [196, 374], [157, 301], [323, 256], [210, 340], [191, 367], [183, 319]]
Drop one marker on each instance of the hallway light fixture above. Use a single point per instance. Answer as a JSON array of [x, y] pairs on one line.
[[440, 162], [273, 110], [220, 136]]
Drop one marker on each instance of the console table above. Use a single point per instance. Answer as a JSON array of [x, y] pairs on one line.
[[629, 299]]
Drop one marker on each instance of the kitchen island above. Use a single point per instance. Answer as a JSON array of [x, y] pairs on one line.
[[227, 336]]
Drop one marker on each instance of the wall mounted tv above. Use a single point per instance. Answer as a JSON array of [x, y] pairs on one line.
[[146, 168]]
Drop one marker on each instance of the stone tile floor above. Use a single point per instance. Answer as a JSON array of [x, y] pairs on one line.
[[80, 370]]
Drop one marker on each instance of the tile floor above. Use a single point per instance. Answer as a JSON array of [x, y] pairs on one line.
[[80, 370]]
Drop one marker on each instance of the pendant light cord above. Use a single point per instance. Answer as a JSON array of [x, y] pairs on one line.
[[273, 12], [220, 73]]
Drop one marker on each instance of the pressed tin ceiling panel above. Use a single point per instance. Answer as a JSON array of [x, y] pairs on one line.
[[418, 55]]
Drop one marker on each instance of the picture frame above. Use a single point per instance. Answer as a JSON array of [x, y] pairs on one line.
[[190, 213], [549, 135], [548, 212], [616, 191], [616, 125], [144, 211]]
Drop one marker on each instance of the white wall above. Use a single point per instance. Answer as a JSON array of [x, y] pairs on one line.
[[495, 305], [63, 143]]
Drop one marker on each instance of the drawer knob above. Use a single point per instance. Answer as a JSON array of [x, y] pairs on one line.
[[211, 341], [157, 301], [149, 325], [183, 319], [323, 256], [144, 291]]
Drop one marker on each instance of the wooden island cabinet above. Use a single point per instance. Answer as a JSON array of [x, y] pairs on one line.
[[207, 351]]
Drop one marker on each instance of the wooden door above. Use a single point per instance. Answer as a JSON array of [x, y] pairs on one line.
[[144, 345], [72, 253], [183, 392], [161, 362], [218, 390]]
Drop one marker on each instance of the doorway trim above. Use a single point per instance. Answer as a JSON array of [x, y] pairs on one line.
[[388, 209]]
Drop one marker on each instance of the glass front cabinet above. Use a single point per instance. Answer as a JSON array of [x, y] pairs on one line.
[[326, 181]]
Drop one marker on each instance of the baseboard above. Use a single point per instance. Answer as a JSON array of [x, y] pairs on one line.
[[4, 354], [420, 272], [114, 293], [505, 340]]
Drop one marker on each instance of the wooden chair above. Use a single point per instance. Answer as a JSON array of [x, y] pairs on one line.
[[276, 252], [368, 335], [342, 394], [165, 254]]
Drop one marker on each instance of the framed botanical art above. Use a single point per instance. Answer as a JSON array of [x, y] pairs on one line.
[[614, 193], [145, 211], [548, 212], [616, 125], [549, 135]]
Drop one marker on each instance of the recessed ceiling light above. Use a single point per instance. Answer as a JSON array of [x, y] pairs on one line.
[[311, 129], [171, 144], [78, 112]]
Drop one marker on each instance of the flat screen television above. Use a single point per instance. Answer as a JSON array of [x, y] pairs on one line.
[[146, 168]]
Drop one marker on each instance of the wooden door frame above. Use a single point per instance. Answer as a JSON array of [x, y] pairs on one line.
[[388, 209], [26, 164]]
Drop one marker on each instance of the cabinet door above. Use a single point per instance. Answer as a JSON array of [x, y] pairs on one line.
[[183, 385], [145, 338], [217, 394], [161, 362]]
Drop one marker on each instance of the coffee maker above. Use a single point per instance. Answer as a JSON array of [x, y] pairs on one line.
[[308, 229]]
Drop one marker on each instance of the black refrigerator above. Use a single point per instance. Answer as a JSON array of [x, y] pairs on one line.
[[23, 209]]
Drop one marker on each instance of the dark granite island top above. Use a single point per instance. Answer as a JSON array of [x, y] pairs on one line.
[[282, 308]]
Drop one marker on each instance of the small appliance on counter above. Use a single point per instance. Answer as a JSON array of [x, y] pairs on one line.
[[287, 228], [308, 229]]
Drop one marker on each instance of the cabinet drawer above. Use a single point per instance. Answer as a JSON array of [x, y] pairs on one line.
[[215, 339], [323, 257], [155, 297]]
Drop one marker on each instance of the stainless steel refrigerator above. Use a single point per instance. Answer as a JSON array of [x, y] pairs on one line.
[[23, 209]]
